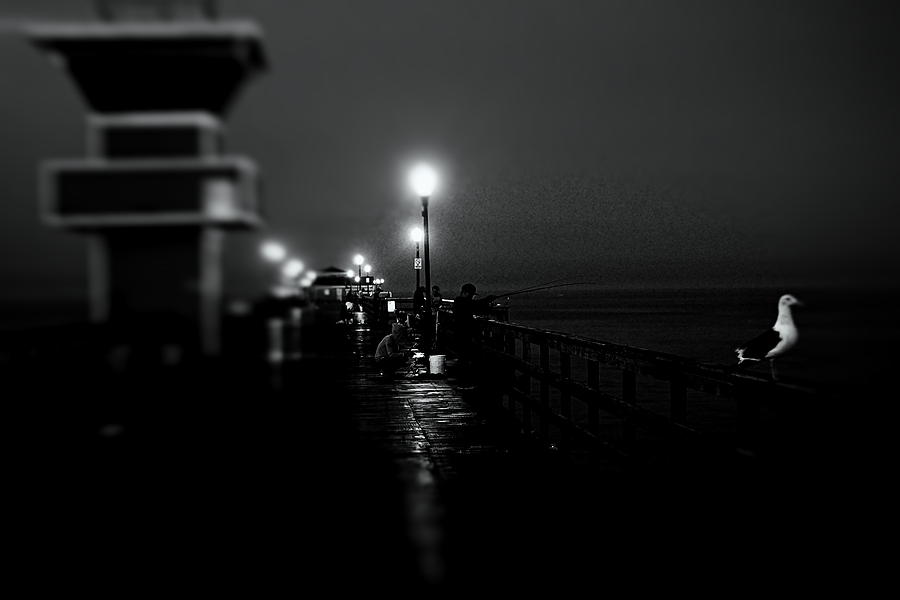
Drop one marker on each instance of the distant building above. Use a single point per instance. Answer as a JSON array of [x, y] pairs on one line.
[[330, 285]]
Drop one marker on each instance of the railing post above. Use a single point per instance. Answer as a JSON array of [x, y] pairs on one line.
[[509, 342], [525, 385], [678, 399], [748, 413], [593, 381], [545, 389], [565, 399], [629, 397]]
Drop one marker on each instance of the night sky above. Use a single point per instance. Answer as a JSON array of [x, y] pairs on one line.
[[634, 143]]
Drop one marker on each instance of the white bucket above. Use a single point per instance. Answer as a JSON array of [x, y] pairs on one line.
[[436, 364]]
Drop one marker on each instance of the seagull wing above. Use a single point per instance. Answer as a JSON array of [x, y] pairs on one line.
[[758, 347]]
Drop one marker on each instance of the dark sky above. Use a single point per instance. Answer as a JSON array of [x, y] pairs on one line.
[[650, 143]]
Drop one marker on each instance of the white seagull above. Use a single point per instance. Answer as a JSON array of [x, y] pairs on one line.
[[776, 341]]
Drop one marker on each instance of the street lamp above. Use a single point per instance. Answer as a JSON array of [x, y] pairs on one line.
[[423, 180], [292, 268], [273, 251], [368, 269], [415, 235], [358, 260]]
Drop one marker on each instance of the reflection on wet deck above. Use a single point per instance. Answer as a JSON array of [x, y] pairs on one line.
[[318, 469]]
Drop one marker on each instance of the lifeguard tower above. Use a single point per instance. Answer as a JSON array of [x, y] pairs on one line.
[[156, 191]]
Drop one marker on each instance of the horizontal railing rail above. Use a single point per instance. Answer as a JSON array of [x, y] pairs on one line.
[[572, 390]]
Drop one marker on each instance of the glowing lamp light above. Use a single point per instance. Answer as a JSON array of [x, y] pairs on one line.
[[416, 235], [356, 279], [423, 180], [292, 268], [349, 273], [358, 259], [273, 251], [367, 269]]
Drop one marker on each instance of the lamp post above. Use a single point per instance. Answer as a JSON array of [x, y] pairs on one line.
[[358, 260], [368, 269], [291, 269], [423, 180], [273, 251], [416, 235]]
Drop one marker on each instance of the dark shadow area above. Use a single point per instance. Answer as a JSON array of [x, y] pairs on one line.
[[205, 475], [130, 472]]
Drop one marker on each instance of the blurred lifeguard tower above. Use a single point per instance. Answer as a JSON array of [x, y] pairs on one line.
[[156, 191]]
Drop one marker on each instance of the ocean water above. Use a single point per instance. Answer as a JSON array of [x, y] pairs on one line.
[[846, 335]]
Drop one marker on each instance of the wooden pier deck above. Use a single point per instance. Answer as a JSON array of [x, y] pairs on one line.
[[471, 483], [316, 472]]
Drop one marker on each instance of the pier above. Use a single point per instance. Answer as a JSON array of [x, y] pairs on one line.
[[317, 465], [169, 442]]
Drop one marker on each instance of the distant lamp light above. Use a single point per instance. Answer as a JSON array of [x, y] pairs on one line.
[[311, 274], [367, 269], [273, 251], [416, 234], [358, 259], [356, 279], [423, 180], [349, 273], [292, 268]]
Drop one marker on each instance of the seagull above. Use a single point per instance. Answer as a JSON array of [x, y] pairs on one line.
[[776, 341]]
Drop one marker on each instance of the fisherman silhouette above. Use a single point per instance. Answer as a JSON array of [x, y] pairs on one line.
[[465, 306]]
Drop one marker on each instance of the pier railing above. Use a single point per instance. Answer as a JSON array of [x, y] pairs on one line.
[[576, 393], [404, 305]]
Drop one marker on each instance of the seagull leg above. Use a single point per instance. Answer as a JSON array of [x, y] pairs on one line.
[[772, 367]]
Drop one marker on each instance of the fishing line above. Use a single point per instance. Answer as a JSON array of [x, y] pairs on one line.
[[538, 289], [548, 287], [531, 287]]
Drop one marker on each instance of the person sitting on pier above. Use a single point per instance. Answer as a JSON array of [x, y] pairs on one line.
[[389, 355]]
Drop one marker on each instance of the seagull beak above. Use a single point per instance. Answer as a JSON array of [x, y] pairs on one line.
[[798, 303]]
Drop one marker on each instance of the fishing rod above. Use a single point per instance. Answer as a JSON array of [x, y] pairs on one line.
[[546, 287], [531, 287]]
